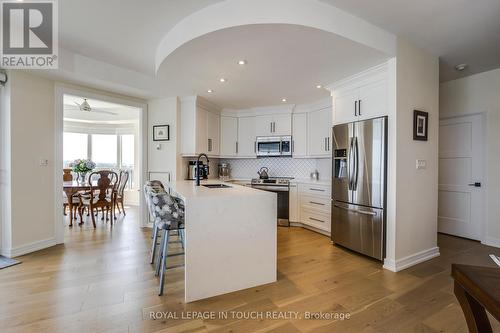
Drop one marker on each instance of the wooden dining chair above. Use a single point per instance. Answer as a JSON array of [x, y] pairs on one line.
[[101, 182], [119, 194]]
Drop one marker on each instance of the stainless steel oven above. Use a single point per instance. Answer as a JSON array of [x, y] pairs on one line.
[[280, 186], [274, 146]]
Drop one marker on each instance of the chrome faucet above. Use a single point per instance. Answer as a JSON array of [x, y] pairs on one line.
[[198, 169]]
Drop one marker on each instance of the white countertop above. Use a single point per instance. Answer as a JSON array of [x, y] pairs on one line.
[[187, 189], [326, 182]]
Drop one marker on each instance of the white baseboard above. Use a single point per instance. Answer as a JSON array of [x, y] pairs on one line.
[[28, 248], [490, 241], [308, 227], [411, 260]]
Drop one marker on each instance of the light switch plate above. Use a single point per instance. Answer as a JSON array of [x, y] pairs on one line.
[[44, 162], [421, 164]]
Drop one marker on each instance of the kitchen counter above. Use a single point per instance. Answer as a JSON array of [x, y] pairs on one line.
[[231, 238]]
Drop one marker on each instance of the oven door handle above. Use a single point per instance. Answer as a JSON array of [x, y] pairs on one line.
[[271, 188]]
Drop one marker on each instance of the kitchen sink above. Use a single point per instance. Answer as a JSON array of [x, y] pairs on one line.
[[217, 186]]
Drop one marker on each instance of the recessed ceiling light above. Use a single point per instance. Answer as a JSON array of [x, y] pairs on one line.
[[242, 62], [460, 67], [210, 91], [319, 86], [222, 80], [283, 100]]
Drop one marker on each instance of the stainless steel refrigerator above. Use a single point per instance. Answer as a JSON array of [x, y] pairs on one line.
[[359, 186]]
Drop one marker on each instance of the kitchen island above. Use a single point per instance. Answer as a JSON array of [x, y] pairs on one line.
[[231, 241]]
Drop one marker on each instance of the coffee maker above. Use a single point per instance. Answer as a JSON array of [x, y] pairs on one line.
[[192, 170]]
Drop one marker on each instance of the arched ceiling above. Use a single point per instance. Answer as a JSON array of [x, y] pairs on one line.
[[283, 61]]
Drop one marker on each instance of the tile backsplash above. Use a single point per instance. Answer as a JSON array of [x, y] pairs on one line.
[[279, 167]]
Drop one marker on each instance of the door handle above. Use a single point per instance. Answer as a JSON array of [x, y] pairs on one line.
[[476, 184], [356, 155], [364, 212], [359, 108], [355, 108]]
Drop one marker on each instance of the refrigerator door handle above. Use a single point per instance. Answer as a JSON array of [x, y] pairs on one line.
[[350, 171], [364, 212], [356, 154]]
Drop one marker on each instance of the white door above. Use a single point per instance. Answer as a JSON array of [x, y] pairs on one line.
[[346, 106], [299, 135], [264, 126], [228, 136], [213, 133], [282, 124], [373, 99], [460, 175], [246, 136]]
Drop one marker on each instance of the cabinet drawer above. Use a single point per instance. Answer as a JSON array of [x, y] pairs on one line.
[[314, 219], [315, 190], [316, 203]]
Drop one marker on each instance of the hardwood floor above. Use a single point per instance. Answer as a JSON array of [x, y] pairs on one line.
[[100, 281]]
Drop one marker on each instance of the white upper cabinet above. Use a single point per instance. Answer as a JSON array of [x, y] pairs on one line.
[[299, 135], [319, 130], [213, 133], [229, 136], [273, 125], [200, 129], [246, 136], [282, 124], [373, 100], [363, 96]]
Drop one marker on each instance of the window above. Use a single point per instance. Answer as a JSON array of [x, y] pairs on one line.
[[105, 150], [75, 146], [108, 151], [128, 148]]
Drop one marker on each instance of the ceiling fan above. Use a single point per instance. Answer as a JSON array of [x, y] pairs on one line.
[[85, 107]]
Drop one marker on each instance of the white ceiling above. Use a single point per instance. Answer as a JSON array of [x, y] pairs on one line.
[[458, 31], [124, 113], [284, 61], [121, 32]]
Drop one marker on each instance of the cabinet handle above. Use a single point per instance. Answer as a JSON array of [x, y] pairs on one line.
[[236, 147], [271, 124], [255, 147], [359, 108], [316, 189], [328, 144], [209, 144], [316, 203], [317, 220], [293, 146], [355, 108], [325, 145]]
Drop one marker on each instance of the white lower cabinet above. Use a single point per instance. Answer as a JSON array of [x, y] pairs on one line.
[[315, 206], [293, 203]]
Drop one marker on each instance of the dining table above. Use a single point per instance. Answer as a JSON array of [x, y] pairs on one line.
[[74, 187]]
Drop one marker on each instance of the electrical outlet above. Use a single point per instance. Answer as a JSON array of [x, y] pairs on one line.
[[421, 164], [44, 162]]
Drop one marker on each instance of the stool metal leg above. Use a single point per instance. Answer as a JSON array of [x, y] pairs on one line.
[[153, 245], [181, 235], [159, 257], [164, 257]]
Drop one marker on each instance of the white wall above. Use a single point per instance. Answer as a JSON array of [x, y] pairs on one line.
[[31, 128], [163, 156], [417, 87], [5, 176], [480, 93]]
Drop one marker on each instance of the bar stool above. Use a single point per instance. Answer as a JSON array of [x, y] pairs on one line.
[[168, 215]]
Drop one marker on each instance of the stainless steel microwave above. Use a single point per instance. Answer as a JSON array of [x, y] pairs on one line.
[[273, 146]]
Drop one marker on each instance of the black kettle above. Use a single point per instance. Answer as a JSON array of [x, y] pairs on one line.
[[263, 173]]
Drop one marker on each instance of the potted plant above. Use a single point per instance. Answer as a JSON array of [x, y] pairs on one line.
[[82, 167]]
